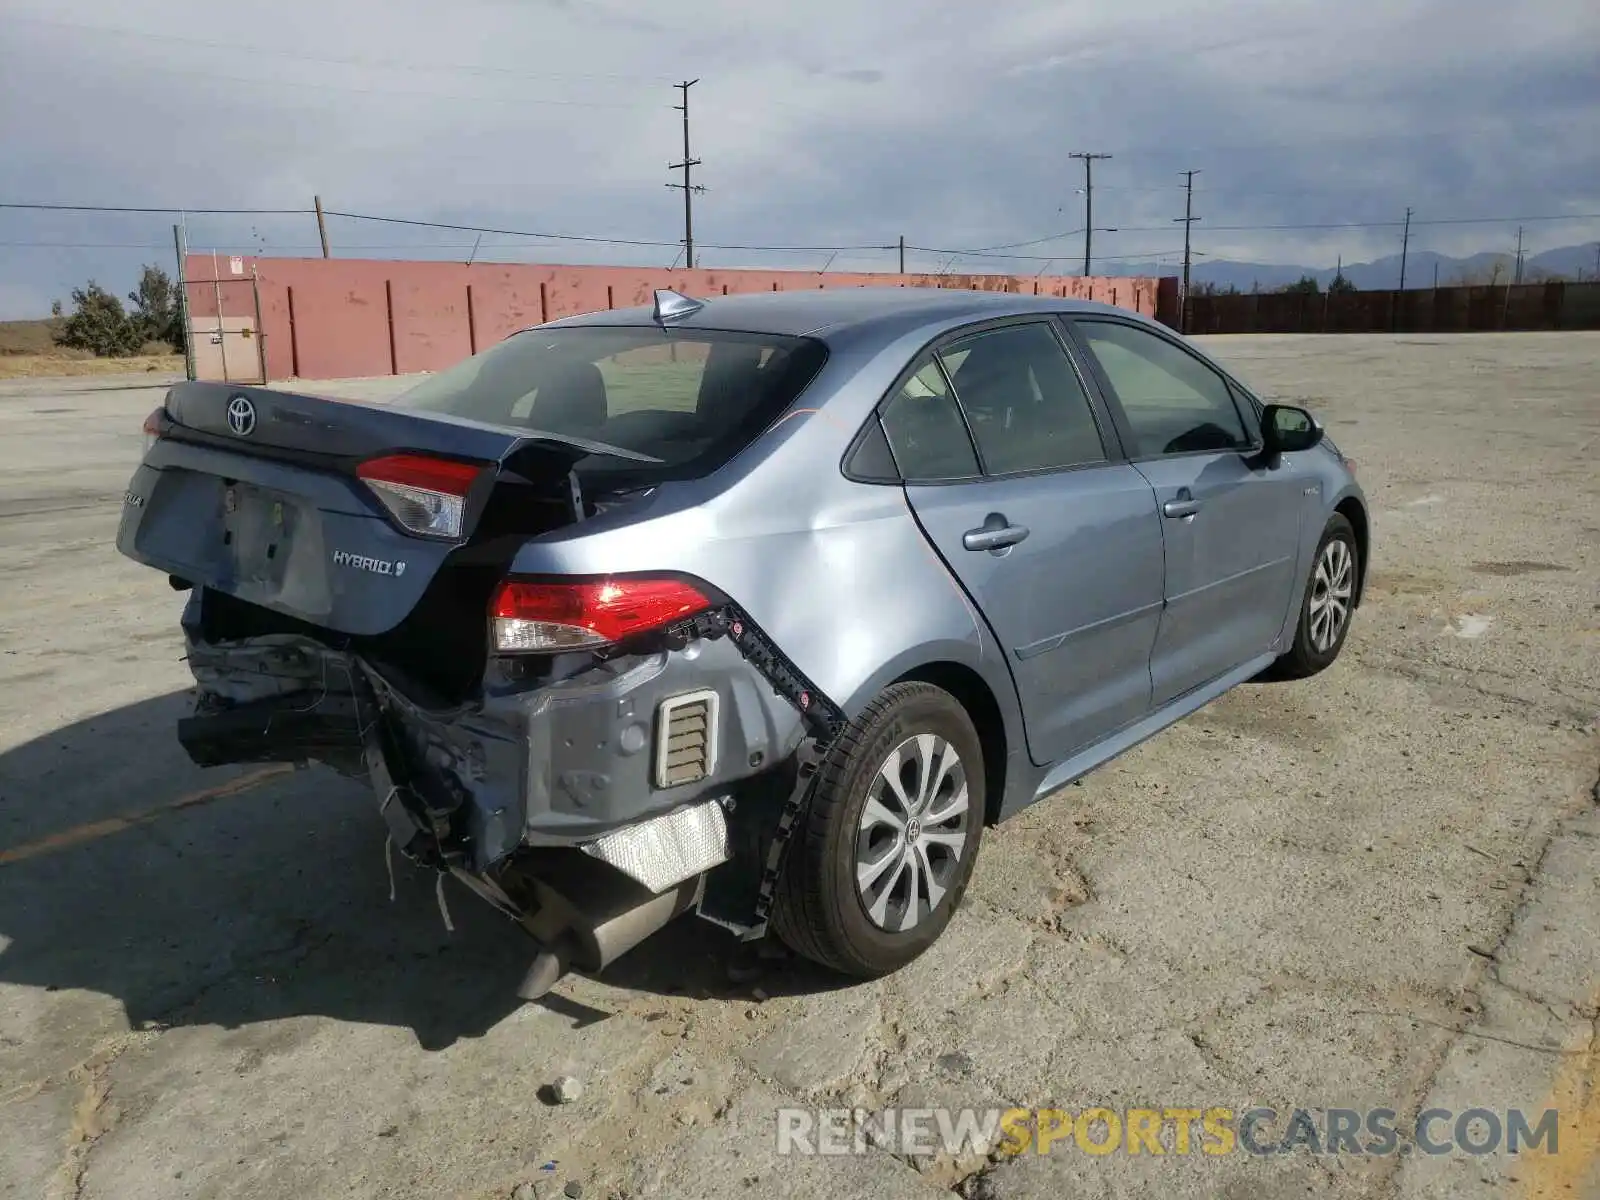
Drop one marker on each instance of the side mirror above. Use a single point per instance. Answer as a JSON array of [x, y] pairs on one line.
[[1285, 428]]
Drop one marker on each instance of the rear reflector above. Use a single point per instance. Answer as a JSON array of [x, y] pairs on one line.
[[152, 429], [425, 495], [534, 617]]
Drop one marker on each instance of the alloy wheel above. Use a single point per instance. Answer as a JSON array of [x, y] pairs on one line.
[[1331, 590], [912, 833]]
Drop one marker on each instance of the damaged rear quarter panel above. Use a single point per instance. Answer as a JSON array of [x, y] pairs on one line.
[[589, 763]]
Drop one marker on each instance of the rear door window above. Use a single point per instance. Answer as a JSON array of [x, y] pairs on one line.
[[925, 430], [1023, 399]]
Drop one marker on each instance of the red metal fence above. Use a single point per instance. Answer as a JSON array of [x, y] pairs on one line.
[[335, 318]]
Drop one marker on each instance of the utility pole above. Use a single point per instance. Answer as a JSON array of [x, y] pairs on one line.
[[1188, 220], [1518, 269], [1088, 203], [1405, 242], [902, 254], [688, 164], [322, 225], [182, 249]]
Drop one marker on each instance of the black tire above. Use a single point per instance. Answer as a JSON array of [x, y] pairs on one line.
[[1306, 657], [819, 911]]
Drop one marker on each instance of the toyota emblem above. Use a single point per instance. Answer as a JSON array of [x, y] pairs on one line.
[[241, 416]]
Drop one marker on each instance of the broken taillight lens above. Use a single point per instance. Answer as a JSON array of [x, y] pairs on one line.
[[530, 616], [426, 495]]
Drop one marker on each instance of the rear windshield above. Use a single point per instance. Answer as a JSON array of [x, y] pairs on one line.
[[689, 398]]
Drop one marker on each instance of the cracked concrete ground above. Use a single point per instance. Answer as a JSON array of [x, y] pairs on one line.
[[1376, 888]]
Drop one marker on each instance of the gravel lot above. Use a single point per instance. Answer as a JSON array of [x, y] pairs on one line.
[[1376, 888]]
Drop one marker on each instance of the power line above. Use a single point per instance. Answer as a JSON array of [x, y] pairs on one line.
[[1162, 188], [1388, 224], [298, 212], [1088, 201], [1030, 242], [259, 247], [575, 237], [994, 252], [1593, 216], [527, 233], [430, 247], [946, 250], [123, 208]]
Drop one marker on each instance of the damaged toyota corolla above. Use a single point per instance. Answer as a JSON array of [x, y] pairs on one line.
[[760, 607]]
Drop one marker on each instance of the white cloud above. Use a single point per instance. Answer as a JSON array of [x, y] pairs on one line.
[[818, 124]]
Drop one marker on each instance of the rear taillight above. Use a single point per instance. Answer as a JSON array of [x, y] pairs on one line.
[[152, 429], [425, 495], [533, 617]]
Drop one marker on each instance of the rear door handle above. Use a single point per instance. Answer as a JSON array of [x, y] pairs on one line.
[[993, 538], [1186, 507]]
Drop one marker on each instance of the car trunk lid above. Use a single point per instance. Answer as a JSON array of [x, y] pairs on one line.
[[269, 497]]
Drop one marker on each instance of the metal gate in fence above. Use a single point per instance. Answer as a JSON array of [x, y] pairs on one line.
[[225, 341]]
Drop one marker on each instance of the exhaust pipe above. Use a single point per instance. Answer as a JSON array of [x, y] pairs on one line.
[[585, 915]]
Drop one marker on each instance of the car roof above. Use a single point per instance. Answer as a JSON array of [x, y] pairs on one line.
[[835, 312]]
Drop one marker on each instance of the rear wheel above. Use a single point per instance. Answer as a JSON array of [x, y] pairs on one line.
[[1329, 601], [886, 849]]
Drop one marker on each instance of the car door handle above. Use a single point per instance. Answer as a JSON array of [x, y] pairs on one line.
[[1186, 507], [991, 538]]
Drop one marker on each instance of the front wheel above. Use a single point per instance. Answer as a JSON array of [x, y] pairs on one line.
[[883, 855], [1329, 601]]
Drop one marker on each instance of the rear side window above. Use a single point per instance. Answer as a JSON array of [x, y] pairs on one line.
[[1026, 406], [925, 430], [690, 398]]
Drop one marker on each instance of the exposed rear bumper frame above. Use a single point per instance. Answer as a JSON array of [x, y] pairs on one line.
[[355, 727]]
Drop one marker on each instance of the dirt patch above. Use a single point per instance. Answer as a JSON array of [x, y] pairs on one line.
[[30, 337], [32, 366], [1403, 583], [1519, 567]]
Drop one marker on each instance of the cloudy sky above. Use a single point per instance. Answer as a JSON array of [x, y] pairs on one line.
[[830, 123]]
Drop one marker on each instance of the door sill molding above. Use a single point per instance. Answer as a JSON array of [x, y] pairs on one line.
[[1129, 736]]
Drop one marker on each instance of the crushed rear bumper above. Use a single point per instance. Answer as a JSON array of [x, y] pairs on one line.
[[563, 770]]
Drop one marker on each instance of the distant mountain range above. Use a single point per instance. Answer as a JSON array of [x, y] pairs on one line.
[[1569, 262]]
